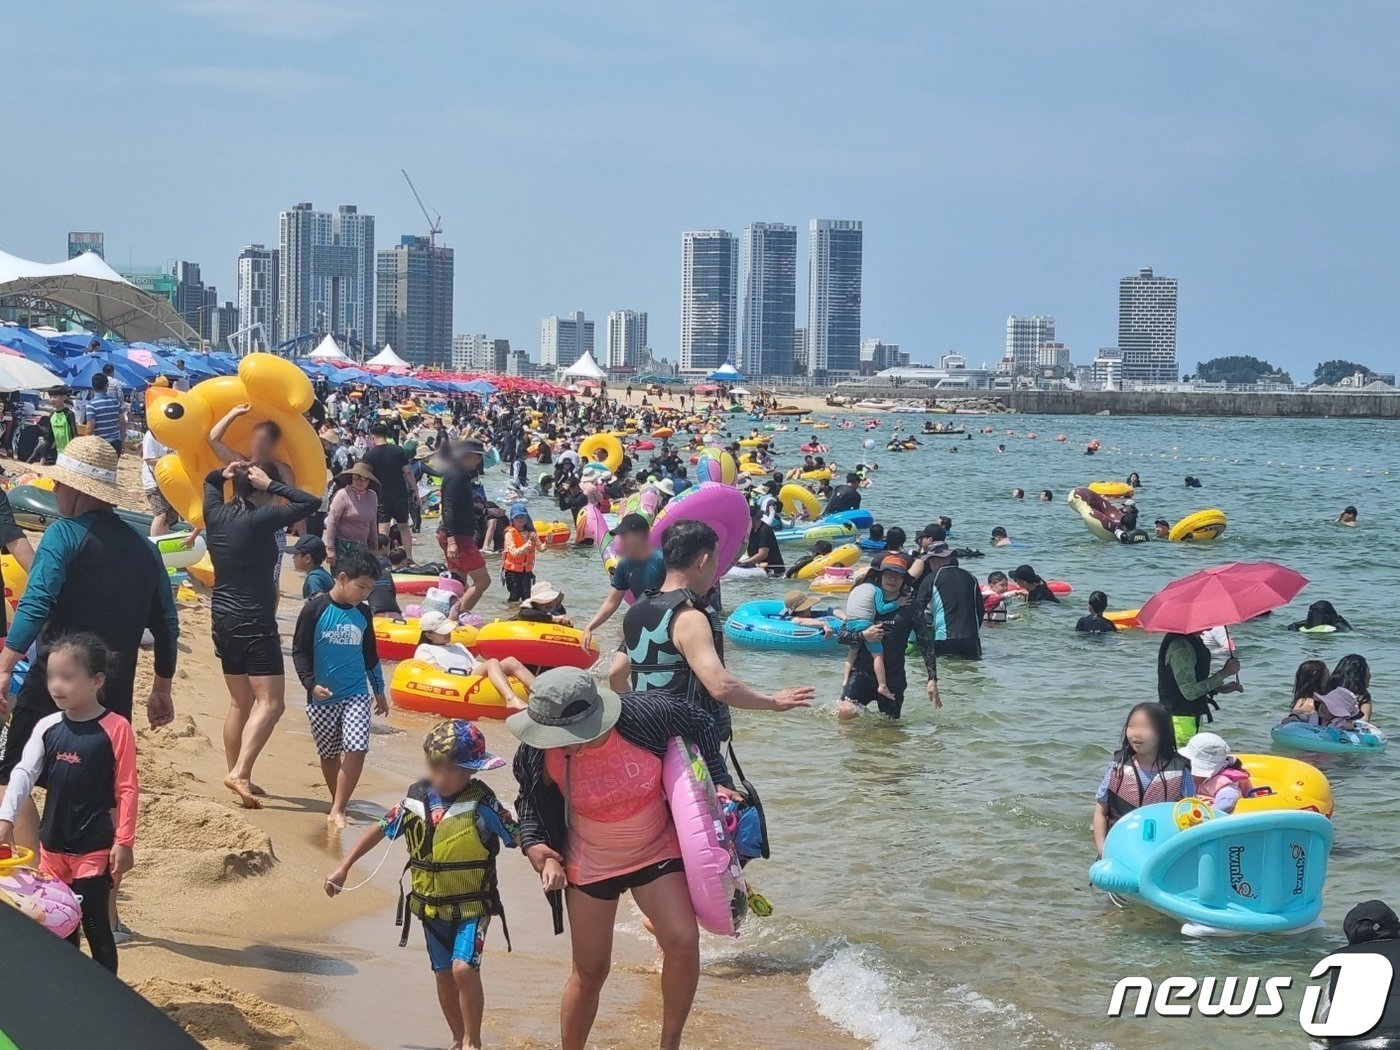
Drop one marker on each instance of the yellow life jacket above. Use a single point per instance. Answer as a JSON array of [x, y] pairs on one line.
[[452, 872]]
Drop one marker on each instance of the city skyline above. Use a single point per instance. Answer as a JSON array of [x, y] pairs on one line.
[[931, 156]]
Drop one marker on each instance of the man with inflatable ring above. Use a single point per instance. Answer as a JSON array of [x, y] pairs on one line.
[[457, 529], [891, 574], [91, 572], [671, 642]]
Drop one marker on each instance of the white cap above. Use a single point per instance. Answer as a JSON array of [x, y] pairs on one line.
[[434, 622], [1207, 753]]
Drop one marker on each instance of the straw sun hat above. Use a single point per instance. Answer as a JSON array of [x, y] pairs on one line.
[[359, 470], [89, 465]]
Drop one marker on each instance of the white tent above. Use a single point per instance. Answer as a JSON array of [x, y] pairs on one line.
[[328, 350], [90, 287], [726, 373], [585, 368], [388, 358]]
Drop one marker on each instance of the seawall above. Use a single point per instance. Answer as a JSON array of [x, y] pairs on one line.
[[1204, 403]]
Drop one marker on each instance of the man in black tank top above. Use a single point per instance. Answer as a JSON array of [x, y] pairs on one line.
[[669, 637]]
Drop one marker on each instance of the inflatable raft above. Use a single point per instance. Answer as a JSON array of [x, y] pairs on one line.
[[397, 636], [810, 534], [1249, 873], [1365, 739]]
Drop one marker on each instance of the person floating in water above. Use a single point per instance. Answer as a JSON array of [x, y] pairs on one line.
[[1348, 517]]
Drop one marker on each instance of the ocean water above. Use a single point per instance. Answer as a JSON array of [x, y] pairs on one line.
[[930, 875]]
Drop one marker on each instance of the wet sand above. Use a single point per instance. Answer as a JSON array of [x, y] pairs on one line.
[[235, 938]]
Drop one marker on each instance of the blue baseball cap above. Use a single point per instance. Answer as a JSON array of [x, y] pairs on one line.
[[519, 510]]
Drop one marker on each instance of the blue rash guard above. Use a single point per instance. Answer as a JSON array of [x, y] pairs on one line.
[[639, 576], [334, 646]]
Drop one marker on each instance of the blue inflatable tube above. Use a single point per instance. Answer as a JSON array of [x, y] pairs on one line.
[[861, 519], [1303, 736], [867, 544], [759, 625]]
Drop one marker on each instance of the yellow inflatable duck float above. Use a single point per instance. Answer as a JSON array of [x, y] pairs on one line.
[[181, 421]]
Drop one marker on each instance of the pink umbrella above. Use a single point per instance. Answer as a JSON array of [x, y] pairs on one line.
[[143, 357], [1220, 596]]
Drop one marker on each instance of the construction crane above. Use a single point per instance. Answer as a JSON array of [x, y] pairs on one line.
[[434, 224]]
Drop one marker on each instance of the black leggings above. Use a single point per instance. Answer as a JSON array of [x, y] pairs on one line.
[[96, 892]]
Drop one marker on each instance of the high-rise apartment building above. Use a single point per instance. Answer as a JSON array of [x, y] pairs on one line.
[[627, 338], [876, 356], [1024, 338], [413, 300], [326, 273], [480, 353], [770, 298], [1147, 328], [563, 340], [833, 295], [709, 299], [1054, 358], [257, 296], [799, 351], [94, 242]]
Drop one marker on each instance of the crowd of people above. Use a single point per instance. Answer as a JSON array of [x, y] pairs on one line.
[[589, 831]]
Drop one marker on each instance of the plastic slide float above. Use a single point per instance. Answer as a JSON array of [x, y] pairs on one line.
[[1247, 873]]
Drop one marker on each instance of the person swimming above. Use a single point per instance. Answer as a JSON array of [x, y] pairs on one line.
[[1037, 590], [1192, 482], [1000, 537], [1322, 618], [1095, 623], [1161, 529], [1018, 493], [1134, 480], [1348, 517], [1046, 496]]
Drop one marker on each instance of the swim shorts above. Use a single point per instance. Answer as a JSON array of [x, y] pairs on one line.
[[462, 940], [248, 648], [613, 888], [468, 559], [394, 509], [340, 725]]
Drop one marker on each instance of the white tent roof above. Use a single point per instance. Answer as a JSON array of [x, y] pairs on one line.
[[327, 350], [726, 373], [92, 288], [388, 358], [585, 368]]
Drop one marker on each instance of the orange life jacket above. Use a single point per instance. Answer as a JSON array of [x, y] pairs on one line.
[[519, 553]]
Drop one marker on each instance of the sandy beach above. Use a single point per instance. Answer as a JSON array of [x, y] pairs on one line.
[[236, 940]]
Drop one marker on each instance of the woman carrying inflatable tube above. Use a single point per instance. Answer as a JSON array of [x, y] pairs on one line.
[[595, 838]]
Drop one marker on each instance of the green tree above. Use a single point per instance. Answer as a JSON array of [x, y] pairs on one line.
[[1239, 369], [1329, 372]]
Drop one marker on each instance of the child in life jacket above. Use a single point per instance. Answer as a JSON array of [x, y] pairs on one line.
[[1220, 778], [454, 826], [518, 556], [1147, 768]]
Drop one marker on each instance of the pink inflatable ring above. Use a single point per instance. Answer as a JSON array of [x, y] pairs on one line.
[[721, 507]]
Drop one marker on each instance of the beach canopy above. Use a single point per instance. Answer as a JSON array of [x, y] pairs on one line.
[[726, 373], [478, 386], [586, 368], [327, 350], [88, 286], [387, 358]]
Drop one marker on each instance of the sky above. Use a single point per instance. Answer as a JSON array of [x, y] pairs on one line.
[[1006, 157]]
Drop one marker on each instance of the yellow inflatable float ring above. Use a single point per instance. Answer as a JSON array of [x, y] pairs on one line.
[[816, 475], [554, 532], [278, 391], [753, 442], [16, 579], [843, 556], [1111, 489], [1285, 783], [1123, 619], [1205, 526], [752, 469], [425, 688], [795, 498], [608, 444]]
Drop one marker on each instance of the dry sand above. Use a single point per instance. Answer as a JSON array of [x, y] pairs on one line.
[[236, 940]]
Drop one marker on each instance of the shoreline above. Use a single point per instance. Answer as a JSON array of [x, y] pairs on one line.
[[235, 938]]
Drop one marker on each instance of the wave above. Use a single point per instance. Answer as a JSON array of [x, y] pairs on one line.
[[852, 992]]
